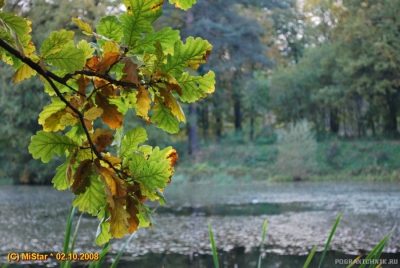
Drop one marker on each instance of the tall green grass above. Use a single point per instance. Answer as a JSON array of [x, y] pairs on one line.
[[70, 249], [373, 255]]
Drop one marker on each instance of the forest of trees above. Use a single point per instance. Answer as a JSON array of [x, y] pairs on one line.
[[335, 63]]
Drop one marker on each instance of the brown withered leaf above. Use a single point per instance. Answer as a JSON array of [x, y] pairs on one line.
[[107, 189], [175, 87], [81, 178], [107, 61], [93, 63], [82, 82], [70, 167], [106, 88], [129, 70], [143, 102], [132, 210], [111, 116], [102, 138]]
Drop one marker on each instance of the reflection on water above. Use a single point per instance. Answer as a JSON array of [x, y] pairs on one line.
[[300, 215]]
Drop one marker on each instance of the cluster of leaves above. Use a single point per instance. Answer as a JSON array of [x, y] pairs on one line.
[[130, 66]]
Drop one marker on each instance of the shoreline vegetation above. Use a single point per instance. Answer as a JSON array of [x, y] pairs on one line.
[[344, 160]]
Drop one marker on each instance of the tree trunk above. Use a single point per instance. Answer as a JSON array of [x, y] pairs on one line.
[[252, 123], [238, 115], [334, 121], [193, 147], [391, 118], [204, 121]]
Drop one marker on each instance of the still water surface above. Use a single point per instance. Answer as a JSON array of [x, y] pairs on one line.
[[300, 215]]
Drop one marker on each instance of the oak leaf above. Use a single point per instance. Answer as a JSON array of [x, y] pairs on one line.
[[118, 220], [110, 116], [107, 61], [143, 102], [81, 178]]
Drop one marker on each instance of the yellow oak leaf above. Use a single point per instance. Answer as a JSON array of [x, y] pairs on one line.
[[24, 72], [86, 29], [143, 102], [115, 183], [173, 104], [93, 113], [68, 120], [110, 46], [118, 220], [53, 123]]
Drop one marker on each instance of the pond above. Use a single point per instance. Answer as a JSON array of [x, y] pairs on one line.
[[300, 215]]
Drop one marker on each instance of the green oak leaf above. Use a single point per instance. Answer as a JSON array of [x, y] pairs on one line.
[[183, 4], [167, 37], [151, 175], [103, 234], [94, 198], [86, 48], [138, 18], [60, 179], [144, 216], [121, 106], [55, 42], [164, 119], [76, 133], [44, 145], [19, 25], [131, 141], [70, 59], [195, 87], [111, 28], [191, 54]]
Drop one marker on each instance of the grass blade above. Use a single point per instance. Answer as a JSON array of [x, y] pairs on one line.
[[377, 249], [68, 233], [310, 256], [71, 250], [329, 239], [103, 253], [264, 231], [6, 265], [121, 251], [354, 261], [214, 249]]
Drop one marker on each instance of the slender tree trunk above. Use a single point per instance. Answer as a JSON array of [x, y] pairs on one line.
[[391, 118], [334, 121], [204, 120], [193, 147], [252, 123], [238, 114]]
